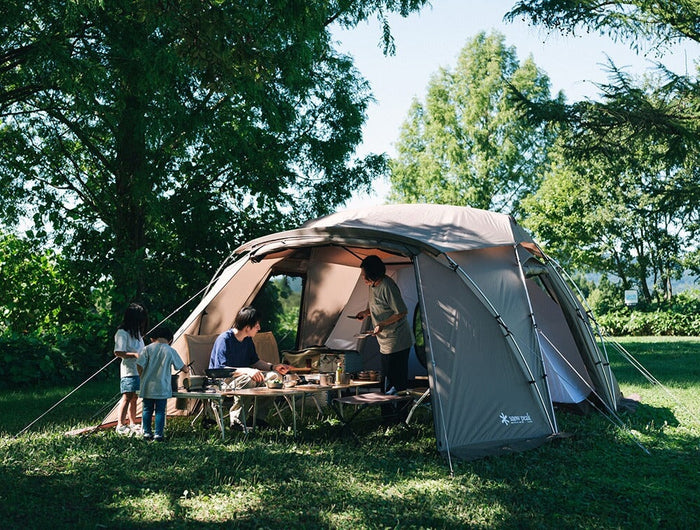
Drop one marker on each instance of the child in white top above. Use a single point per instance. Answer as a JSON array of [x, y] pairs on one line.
[[128, 343], [154, 366]]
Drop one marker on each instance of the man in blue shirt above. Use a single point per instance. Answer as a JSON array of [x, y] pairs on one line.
[[234, 348]]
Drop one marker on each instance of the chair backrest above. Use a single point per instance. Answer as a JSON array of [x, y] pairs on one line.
[[199, 351], [266, 346]]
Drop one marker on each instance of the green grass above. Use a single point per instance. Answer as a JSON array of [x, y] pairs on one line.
[[597, 478]]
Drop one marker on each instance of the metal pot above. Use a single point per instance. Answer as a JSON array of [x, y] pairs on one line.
[[195, 382], [325, 379]]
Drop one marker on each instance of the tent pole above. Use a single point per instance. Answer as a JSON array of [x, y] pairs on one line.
[[602, 358], [429, 344], [536, 348], [506, 333]]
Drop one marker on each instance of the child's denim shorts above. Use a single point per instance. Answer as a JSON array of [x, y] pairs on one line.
[[129, 384]]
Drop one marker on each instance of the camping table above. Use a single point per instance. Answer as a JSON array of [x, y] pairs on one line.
[[290, 395], [213, 399], [361, 402]]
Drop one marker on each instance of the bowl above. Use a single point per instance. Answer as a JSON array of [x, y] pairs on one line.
[[273, 384], [290, 384]]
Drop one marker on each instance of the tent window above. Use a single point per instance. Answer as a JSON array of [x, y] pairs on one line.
[[279, 301], [419, 337]]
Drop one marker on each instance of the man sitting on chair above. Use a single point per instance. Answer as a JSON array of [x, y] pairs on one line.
[[234, 348]]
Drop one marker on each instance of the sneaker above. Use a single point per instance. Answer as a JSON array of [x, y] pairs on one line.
[[148, 436], [157, 438], [124, 430], [239, 427], [136, 429]]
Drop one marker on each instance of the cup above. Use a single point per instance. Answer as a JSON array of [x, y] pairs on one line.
[[325, 379]]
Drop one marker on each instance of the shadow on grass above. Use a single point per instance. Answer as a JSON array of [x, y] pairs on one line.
[[395, 478]]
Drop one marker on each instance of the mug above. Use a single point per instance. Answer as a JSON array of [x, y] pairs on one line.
[[325, 379]]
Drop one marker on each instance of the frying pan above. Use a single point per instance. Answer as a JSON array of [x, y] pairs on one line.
[[219, 372]]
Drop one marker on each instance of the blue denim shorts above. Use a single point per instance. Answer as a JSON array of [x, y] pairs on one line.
[[130, 383]]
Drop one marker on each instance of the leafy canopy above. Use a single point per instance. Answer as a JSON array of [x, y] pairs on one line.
[[467, 143], [147, 139]]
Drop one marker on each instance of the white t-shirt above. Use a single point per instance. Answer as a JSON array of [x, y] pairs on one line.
[[123, 341], [156, 359]]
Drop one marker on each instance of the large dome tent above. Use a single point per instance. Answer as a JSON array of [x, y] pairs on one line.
[[505, 338]]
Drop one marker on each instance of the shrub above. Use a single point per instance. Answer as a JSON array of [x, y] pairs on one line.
[[681, 317], [27, 360]]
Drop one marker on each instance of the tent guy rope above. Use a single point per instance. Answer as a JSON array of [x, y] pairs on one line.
[[104, 367]]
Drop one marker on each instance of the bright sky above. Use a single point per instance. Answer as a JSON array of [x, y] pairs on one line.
[[434, 37]]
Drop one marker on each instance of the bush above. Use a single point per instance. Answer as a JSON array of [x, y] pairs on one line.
[[681, 317], [27, 360]]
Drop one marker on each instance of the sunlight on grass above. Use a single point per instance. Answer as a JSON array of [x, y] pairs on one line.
[[394, 478]]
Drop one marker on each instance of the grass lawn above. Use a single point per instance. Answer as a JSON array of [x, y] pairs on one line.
[[597, 478]]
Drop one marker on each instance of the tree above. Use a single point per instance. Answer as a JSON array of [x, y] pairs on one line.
[[467, 143], [146, 139], [628, 113], [616, 215]]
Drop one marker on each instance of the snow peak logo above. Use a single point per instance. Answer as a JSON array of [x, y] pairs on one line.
[[514, 420]]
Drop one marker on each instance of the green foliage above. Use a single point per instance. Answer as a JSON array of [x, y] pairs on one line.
[[681, 317], [633, 155], [280, 305], [26, 360], [605, 297], [158, 136], [619, 215], [52, 327], [467, 143]]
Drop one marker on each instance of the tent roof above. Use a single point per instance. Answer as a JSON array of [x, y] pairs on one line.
[[403, 227]]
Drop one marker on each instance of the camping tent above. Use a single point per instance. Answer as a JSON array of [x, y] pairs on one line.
[[504, 337]]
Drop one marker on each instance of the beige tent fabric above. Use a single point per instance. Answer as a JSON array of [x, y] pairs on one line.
[[448, 228]]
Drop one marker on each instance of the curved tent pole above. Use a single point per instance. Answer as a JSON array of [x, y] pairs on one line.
[[536, 348], [426, 332], [602, 357], [507, 334]]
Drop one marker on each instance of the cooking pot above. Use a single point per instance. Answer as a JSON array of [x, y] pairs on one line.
[[219, 373], [195, 382]]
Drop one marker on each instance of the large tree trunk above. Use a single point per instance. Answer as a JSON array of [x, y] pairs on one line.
[[132, 189]]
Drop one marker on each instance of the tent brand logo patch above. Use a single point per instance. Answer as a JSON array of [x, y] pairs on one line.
[[515, 420]]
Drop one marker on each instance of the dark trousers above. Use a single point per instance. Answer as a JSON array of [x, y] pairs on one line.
[[394, 374]]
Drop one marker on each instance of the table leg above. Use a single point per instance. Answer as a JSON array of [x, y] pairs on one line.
[[220, 415]]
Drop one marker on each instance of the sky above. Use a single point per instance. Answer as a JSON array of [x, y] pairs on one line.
[[433, 38]]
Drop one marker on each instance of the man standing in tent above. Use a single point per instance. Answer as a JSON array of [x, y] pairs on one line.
[[390, 325], [234, 348]]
